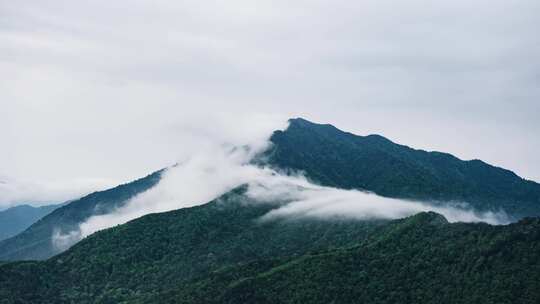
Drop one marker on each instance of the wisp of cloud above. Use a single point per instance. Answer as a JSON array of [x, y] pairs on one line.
[[307, 200]]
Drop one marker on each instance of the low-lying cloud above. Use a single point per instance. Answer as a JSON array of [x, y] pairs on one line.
[[306, 200], [216, 169]]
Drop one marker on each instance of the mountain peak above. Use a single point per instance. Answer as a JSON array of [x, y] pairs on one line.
[[336, 158], [302, 122], [430, 218]]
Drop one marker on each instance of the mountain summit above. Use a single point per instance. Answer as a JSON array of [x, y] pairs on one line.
[[335, 158]]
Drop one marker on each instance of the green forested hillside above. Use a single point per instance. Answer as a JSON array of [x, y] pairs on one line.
[[221, 252], [159, 252], [36, 241], [421, 259], [16, 219], [339, 159]]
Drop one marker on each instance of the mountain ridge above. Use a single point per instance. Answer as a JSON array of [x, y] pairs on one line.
[[16, 219], [36, 241], [336, 158], [306, 122]]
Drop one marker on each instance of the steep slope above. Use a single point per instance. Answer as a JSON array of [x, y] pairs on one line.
[[158, 252], [16, 219], [421, 259], [335, 158], [36, 241]]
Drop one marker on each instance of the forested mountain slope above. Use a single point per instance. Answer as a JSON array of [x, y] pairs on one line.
[[159, 252], [339, 159], [221, 252], [421, 259], [36, 241]]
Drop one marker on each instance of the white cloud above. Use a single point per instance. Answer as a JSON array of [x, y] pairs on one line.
[[216, 161], [317, 202]]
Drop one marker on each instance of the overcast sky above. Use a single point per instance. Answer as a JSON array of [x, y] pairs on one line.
[[93, 93]]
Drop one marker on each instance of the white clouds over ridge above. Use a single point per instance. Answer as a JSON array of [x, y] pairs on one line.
[[215, 170]]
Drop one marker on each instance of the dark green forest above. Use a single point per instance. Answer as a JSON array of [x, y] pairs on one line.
[[221, 252], [421, 259]]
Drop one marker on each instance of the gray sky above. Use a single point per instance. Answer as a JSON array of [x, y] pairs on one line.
[[98, 92]]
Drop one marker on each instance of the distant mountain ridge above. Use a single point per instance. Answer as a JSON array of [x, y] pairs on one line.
[[16, 219], [340, 159], [35, 243]]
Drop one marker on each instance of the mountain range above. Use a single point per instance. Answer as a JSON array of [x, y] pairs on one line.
[[223, 251], [36, 242], [340, 159], [16, 219]]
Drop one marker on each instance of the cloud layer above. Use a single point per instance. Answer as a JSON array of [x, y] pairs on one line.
[[316, 202]]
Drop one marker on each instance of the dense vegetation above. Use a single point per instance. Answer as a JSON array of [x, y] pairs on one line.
[[159, 252], [417, 260], [335, 158], [222, 253], [16, 219], [36, 241]]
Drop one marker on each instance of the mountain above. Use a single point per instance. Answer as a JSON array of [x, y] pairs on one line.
[[36, 243], [226, 251], [330, 157], [420, 259], [16, 219], [340, 159], [159, 252], [221, 252]]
